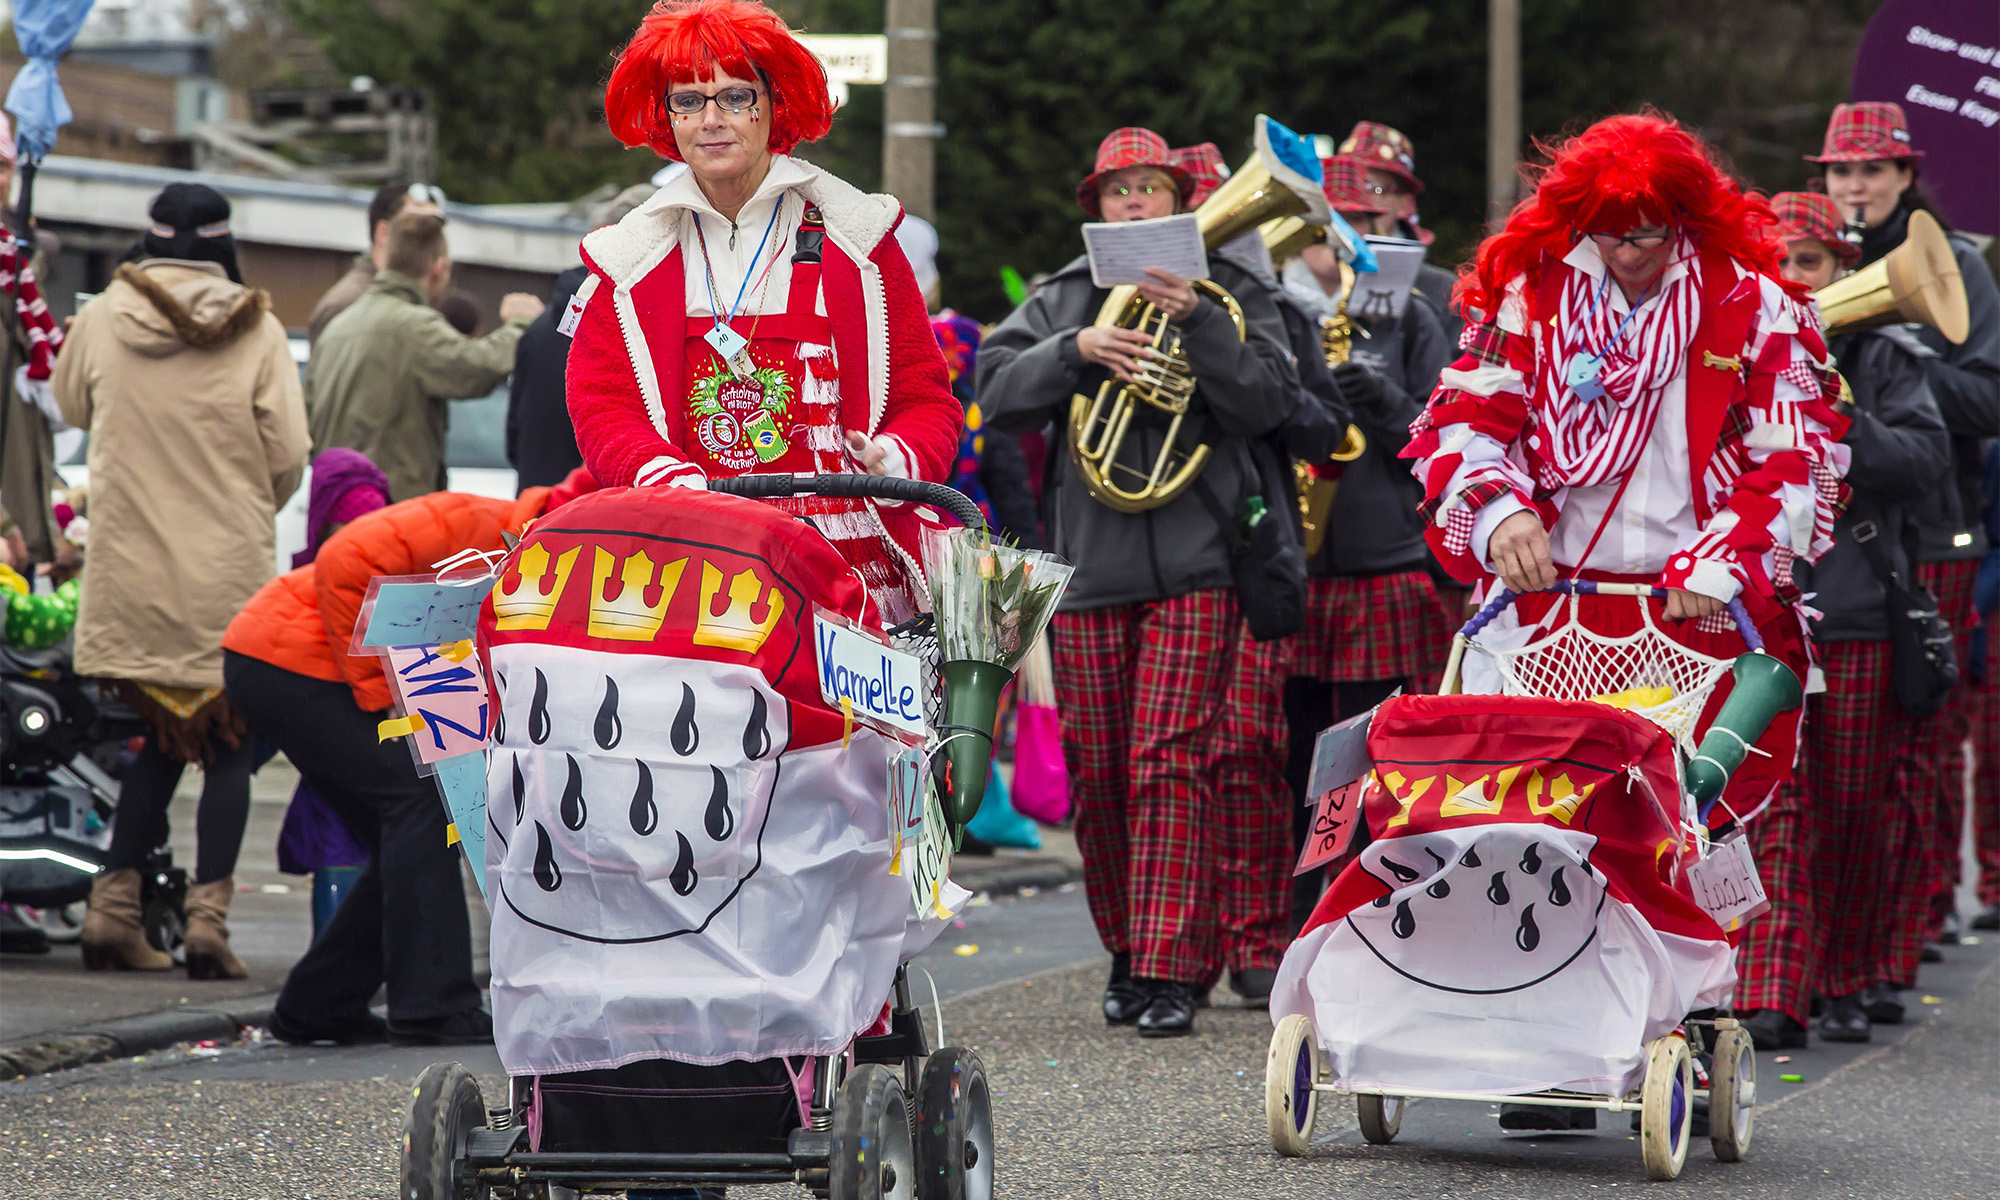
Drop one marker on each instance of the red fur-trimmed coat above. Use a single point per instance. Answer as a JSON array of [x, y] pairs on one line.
[[627, 378]]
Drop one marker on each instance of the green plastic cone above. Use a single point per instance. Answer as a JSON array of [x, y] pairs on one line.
[[971, 704], [1764, 688]]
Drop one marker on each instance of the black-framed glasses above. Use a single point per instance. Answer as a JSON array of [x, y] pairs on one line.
[[1122, 190], [1638, 241], [733, 100]]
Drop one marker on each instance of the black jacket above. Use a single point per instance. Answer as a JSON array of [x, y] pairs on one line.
[[541, 442], [1899, 450], [1029, 369], [1965, 381]]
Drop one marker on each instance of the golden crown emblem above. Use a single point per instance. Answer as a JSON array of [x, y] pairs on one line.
[[734, 629], [531, 602], [627, 617]]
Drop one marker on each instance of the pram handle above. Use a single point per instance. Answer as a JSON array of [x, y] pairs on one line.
[[1591, 587], [870, 487]]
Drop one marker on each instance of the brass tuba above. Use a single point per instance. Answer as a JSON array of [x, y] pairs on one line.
[[1279, 180], [1285, 239], [1917, 281]]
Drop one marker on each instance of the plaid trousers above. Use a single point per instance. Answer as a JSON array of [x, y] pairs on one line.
[[1141, 690], [1938, 749], [1253, 820], [1840, 841], [1984, 703]]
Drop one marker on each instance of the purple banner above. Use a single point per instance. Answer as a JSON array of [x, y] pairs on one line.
[[1940, 59]]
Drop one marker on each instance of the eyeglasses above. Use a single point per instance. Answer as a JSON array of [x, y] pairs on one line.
[[1638, 241], [426, 193], [732, 100], [1122, 190]]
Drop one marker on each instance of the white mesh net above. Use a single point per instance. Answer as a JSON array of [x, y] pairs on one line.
[[1571, 662]]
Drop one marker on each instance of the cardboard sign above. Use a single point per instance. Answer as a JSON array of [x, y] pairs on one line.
[[1726, 885], [1340, 756], [927, 854], [908, 771], [462, 782], [418, 610], [447, 699], [1335, 817], [884, 686]]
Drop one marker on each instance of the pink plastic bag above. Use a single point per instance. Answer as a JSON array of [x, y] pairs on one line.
[[1041, 780]]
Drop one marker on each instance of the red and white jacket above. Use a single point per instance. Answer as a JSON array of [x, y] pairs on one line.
[[627, 379], [1740, 474]]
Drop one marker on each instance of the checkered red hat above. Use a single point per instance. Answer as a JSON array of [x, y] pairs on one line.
[[1866, 132], [1812, 215], [1385, 149], [1204, 162], [1131, 147], [1345, 183]]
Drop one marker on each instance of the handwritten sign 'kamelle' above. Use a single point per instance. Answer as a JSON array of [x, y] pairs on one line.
[[884, 686]]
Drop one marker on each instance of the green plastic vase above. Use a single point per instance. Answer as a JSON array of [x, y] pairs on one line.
[[1764, 688], [972, 690]]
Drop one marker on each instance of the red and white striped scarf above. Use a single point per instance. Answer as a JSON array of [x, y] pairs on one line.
[[1583, 443], [43, 334]]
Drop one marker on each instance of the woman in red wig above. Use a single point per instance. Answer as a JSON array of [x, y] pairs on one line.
[[1638, 400], [756, 315]]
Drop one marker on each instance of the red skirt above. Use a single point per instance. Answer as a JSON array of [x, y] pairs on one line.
[[1368, 627]]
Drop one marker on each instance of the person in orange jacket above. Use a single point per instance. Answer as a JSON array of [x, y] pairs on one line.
[[405, 921]]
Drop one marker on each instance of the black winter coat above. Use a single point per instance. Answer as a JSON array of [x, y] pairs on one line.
[[541, 442]]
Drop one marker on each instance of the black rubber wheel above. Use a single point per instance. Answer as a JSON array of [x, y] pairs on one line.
[[954, 1128], [444, 1110], [873, 1156]]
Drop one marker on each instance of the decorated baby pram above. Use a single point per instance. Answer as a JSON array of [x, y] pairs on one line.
[[700, 873], [1536, 918]]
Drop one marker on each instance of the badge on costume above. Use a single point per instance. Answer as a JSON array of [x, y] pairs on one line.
[[727, 342], [1583, 372]]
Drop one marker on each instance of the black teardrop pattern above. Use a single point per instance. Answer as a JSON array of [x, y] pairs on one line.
[[1470, 858], [539, 727], [1383, 901], [683, 876], [1558, 890], [1529, 935], [1531, 858], [684, 734], [757, 734], [1438, 889], [520, 792], [645, 816], [547, 874], [1404, 923], [572, 808], [609, 730], [1402, 873], [499, 709], [719, 820], [1435, 857], [1497, 890]]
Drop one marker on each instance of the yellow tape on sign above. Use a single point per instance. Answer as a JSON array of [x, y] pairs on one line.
[[846, 721], [399, 727], [451, 834], [457, 651]]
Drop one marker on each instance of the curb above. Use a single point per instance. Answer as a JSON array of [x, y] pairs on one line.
[[1004, 875], [128, 1036]]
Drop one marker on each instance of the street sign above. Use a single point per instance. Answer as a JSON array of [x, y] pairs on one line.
[[851, 57]]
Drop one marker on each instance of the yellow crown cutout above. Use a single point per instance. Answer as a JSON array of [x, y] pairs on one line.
[[531, 602], [734, 629], [628, 617]]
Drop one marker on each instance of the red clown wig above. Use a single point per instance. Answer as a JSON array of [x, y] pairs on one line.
[[690, 41], [1623, 172]]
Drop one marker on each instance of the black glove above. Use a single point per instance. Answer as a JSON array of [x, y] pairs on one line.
[[1361, 385]]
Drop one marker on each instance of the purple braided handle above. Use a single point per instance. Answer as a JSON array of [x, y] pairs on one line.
[[1588, 587]]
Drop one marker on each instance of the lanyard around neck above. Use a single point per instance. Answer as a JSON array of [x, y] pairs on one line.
[[722, 318], [1603, 290]]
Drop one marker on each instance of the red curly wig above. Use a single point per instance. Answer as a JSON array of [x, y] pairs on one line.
[[1622, 172], [689, 41]]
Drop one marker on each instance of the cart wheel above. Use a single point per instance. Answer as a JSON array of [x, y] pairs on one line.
[[445, 1108], [1668, 1106], [1732, 1095], [954, 1128], [1290, 1103], [873, 1155], [1381, 1117]]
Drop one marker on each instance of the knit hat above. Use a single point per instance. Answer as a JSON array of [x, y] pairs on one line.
[[346, 485], [191, 221], [1811, 215], [1204, 163], [1131, 147], [1345, 183], [919, 241], [1385, 149], [1865, 132]]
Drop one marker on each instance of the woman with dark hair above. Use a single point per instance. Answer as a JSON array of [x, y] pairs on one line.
[[1871, 171], [197, 436]]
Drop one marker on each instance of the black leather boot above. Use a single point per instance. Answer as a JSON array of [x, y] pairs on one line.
[[1882, 1003], [1254, 985], [1770, 1029], [1124, 998], [1171, 1013], [1542, 1118], [1845, 1021]]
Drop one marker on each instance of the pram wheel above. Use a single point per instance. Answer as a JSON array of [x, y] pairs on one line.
[[954, 1128], [873, 1157], [1290, 1103], [1668, 1112], [1732, 1093], [444, 1110], [1381, 1118]]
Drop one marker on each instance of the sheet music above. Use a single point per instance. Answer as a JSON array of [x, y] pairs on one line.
[[1385, 292], [1121, 251]]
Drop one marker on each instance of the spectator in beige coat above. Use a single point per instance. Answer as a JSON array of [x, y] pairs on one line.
[[197, 436]]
